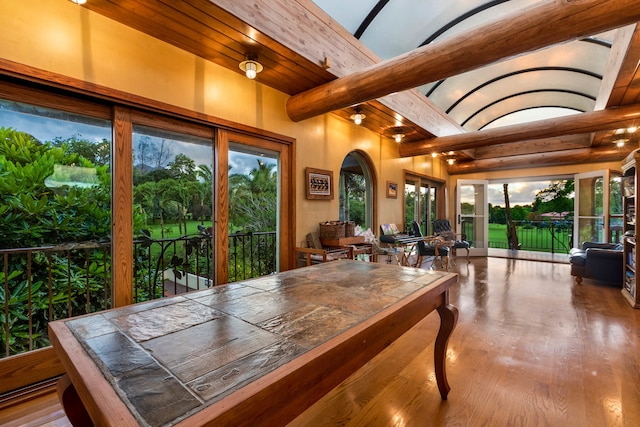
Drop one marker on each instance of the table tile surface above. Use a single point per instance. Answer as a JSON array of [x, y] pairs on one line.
[[167, 359]]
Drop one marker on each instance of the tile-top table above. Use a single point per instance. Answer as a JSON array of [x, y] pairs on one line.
[[257, 352]]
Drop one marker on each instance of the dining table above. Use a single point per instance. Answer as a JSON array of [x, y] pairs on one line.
[[257, 352]]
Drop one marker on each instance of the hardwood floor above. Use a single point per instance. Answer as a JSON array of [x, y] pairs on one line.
[[531, 348]]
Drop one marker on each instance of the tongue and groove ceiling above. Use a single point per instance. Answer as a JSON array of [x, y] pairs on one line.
[[304, 45]]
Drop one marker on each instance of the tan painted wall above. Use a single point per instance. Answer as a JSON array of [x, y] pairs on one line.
[[61, 37]]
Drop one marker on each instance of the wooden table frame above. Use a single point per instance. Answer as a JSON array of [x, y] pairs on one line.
[[279, 396]]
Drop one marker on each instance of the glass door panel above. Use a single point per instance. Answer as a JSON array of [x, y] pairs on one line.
[[471, 218], [591, 207], [410, 202], [172, 189], [254, 211], [420, 203], [616, 228]]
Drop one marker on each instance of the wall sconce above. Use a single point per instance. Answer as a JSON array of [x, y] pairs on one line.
[[358, 117], [251, 66]]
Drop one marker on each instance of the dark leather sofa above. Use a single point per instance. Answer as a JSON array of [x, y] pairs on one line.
[[598, 261]]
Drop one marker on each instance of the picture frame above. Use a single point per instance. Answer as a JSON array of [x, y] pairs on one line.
[[319, 184], [392, 190]]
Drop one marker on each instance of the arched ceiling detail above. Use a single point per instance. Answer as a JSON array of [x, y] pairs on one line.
[[561, 78]]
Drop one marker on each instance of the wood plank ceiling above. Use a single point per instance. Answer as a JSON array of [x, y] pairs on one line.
[[301, 49]]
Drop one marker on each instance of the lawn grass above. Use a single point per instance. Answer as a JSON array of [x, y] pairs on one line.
[[172, 230], [530, 239]]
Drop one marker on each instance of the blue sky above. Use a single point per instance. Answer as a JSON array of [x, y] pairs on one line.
[[46, 125]]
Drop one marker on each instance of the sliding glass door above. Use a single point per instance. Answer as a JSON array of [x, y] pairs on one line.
[[420, 202]]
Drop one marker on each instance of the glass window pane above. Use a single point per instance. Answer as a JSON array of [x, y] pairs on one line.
[[55, 204], [253, 212], [410, 202], [173, 205]]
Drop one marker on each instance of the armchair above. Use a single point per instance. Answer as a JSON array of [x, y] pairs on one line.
[[598, 261], [431, 246], [442, 227]]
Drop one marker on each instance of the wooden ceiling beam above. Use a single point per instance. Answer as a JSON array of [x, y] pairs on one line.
[[539, 26], [608, 153], [566, 142], [576, 124], [300, 25]]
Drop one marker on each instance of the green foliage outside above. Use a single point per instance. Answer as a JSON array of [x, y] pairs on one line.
[[169, 204], [34, 215]]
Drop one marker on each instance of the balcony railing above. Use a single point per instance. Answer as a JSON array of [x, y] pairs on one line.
[[542, 236], [42, 284]]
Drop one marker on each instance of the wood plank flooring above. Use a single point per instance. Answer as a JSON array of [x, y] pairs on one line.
[[531, 348]]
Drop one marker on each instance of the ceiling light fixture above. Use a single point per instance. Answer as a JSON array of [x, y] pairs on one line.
[[451, 160], [79, 1], [358, 117], [622, 136], [251, 66], [398, 134]]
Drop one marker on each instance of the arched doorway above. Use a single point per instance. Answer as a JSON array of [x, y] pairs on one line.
[[356, 190]]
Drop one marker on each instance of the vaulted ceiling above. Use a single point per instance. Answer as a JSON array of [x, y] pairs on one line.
[[458, 89]]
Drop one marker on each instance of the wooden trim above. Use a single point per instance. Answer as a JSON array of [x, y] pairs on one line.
[[98, 92], [28, 393], [582, 123], [121, 209], [221, 208], [29, 368], [156, 121], [105, 408], [287, 195], [30, 95]]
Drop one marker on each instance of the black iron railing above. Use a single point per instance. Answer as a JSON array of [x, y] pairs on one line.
[[42, 284], [541, 236]]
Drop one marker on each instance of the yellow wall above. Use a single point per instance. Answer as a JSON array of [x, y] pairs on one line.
[[61, 37]]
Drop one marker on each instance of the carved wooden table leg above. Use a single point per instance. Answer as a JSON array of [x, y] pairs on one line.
[[73, 407], [448, 319]]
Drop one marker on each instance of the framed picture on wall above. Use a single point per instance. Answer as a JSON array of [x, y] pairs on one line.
[[392, 190], [319, 184]]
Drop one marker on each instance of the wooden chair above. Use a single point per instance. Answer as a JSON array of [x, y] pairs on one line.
[[315, 253]]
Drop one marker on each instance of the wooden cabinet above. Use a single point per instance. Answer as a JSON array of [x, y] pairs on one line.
[[630, 181]]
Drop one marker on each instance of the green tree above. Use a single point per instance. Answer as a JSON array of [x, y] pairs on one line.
[[253, 199], [55, 284], [558, 197], [31, 214]]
